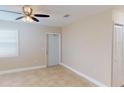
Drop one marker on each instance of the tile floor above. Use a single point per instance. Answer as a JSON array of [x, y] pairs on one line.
[[56, 76]]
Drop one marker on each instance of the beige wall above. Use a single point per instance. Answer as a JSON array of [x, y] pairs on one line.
[[31, 45], [87, 46], [118, 15]]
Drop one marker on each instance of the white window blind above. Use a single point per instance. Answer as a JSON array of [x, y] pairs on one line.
[[8, 43]]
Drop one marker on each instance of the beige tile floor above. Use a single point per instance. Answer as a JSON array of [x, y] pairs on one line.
[[56, 76]]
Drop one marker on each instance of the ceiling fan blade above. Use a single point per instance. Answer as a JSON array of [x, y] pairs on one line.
[[41, 15], [35, 19], [19, 17], [10, 11]]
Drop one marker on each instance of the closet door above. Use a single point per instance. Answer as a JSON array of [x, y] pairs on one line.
[[117, 79], [53, 44]]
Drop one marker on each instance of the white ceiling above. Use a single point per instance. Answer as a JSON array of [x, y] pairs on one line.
[[56, 13]]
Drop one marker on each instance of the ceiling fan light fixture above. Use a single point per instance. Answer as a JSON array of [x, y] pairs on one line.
[[27, 14], [27, 19]]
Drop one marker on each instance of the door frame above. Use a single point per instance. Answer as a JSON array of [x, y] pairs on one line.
[[113, 45], [46, 49]]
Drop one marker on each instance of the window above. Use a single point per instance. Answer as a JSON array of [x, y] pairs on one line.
[[8, 43]]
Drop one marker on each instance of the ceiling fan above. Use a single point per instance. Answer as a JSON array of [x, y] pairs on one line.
[[28, 15]]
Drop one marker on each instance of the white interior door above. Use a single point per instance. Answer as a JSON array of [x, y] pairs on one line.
[[53, 49], [118, 56]]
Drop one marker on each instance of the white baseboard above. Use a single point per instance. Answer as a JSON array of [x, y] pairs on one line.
[[21, 69], [84, 76]]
